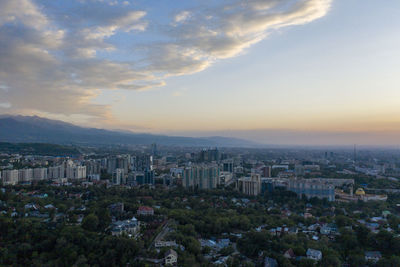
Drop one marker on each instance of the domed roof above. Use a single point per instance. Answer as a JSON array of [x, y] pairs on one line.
[[360, 192]]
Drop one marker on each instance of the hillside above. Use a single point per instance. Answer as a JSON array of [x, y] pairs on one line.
[[33, 129]]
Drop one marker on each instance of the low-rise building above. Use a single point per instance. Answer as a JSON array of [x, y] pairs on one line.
[[145, 211], [171, 257], [373, 256], [314, 254], [161, 244], [312, 188], [289, 254], [129, 227], [270, 262]]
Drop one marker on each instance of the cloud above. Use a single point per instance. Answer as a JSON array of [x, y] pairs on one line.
[[23, 11], [128, 22], [182, 16], [58, 55], [45, 68], [225, 31]]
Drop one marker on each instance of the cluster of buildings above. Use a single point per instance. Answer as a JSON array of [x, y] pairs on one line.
[[202, 176], [123, 170], [359, 194], [67, 170], [204, 169], [317, 187]]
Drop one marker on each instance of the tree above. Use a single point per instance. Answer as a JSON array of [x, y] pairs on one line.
[[90, 222], [306, 263], [331, 261], [104, 218], [356, 260]]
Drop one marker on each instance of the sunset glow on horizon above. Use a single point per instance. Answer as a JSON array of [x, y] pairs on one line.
[[274, 71]]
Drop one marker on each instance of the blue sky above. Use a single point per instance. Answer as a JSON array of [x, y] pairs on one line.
[[285, 71]]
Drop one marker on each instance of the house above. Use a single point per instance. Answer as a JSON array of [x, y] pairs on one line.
[[49, 206], [145, 211], [328, 229], [314, 254], [289, 254], [129, 227], [385, 213], [373, 256], [31, 206], [208, 243], [171, 257], [270, 262], [307, 215], [161, 244], [293, 230]]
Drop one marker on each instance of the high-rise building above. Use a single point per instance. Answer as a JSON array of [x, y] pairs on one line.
[[250, 185], [147, 177], [225, 178], [40, 174], [92, 167], [56, 172], [118, 177], [228, 166], [264, 171], [299, 170], [143, 162], [25, 175], [118, 162], [154, 150], [76, 172], [208, 155], [201, 176], [10, 177]]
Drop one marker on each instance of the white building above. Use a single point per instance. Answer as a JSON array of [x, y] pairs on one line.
[[56, 172], [25, 175], [203, 176], [76, 172], [373, 256], [314, 254], [128, 227], [40, 174], [171, 257], [225, 178], [118, 176], [10, 177], [162, 244], [250, 185], [93, 177]]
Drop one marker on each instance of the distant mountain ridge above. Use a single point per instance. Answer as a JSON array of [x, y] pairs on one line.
[[34, 129]]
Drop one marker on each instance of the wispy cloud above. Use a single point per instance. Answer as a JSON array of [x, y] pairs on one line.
[[57, 58]]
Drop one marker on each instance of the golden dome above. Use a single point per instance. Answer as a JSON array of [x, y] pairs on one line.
[[360, 192]]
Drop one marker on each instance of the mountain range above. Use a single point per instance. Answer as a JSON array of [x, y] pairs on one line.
[[34, 129]]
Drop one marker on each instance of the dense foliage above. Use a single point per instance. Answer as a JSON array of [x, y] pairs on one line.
[[62, 240]]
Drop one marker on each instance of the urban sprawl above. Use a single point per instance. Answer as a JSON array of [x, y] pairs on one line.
[[158, 206]]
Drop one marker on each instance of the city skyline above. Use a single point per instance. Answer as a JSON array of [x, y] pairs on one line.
[[281, 72]]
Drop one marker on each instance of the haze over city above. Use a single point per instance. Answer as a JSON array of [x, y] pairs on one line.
[[310, 72], [199, 133]]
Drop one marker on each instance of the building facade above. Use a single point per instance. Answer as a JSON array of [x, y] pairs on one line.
[[250, 185], [201, 176], [312, 188]]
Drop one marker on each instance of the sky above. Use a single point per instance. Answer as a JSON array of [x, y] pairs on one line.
[[319, 72]]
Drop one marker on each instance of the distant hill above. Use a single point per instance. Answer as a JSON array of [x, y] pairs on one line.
[[34, 129], [38, 149]]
